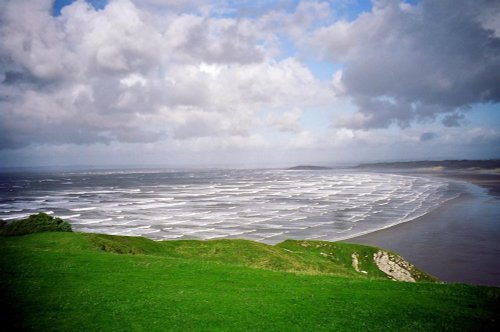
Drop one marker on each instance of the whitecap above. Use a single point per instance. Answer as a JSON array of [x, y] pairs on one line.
[[93, 221], [84, 209], [70, 216]]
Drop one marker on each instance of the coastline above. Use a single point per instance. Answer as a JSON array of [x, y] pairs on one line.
[[487, 180], [459, 241]]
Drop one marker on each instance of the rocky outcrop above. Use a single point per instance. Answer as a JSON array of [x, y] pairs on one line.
[[394, 266]]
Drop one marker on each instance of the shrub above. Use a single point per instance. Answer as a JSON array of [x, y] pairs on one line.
[[36, 223]]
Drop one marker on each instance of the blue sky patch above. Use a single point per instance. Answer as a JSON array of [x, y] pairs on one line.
[[60, 4]]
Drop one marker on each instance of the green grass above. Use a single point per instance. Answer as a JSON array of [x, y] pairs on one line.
[[36, 223], [85, 282]]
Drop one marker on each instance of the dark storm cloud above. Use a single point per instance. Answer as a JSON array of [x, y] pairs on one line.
[[435, 57], [427, 136], [453, 120]]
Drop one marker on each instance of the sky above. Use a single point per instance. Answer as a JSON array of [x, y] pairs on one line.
[[228, 83]]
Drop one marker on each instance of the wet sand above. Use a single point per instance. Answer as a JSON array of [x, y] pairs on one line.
[[488, 180], [457, 242]]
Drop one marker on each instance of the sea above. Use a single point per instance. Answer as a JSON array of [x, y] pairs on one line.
[[266, 205]]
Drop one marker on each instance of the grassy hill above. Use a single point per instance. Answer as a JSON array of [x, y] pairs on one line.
[[82, 282]]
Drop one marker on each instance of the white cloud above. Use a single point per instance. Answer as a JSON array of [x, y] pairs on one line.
[[128, 73], [182, 77], [287, 121]]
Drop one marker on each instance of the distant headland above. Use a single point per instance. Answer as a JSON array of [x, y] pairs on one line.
[[491, 164], [308, 168]]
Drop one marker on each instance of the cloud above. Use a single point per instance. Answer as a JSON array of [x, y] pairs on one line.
[[168, 78], [427, 136], [170, 5], [287, 121], [453, 120], [131, 73], [403, 63]]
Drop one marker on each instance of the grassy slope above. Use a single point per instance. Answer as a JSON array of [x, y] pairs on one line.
[[306, 257], [74, 281]]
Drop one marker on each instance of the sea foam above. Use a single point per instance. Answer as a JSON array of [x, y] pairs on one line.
[[263, 205]]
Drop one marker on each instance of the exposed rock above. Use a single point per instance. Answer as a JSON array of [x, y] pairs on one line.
[[395, 267], [355, 261]]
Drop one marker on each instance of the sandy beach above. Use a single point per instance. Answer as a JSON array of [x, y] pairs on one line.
[[457, 242]]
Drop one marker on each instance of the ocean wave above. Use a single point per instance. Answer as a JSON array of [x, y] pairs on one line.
[[325, 205], [90, 208]]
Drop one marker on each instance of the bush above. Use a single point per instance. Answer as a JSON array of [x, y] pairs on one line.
[[36, 223]]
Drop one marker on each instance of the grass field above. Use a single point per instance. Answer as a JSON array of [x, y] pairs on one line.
[[84, 282]]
